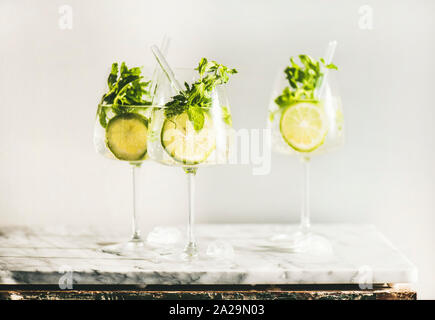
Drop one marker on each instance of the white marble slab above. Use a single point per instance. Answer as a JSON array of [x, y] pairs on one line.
[[360, 254]]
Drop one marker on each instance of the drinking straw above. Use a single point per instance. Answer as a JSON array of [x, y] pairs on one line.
[[157, 70], [328, 59], [166, 68]]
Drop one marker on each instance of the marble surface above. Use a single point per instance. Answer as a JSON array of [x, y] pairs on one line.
[[358, 254]]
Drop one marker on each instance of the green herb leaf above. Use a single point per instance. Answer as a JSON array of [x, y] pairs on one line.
[[196, 98], [331, 66], [303, 80], [126, 88], [226, 115], [113, 75], [196, 116], [102, 114]]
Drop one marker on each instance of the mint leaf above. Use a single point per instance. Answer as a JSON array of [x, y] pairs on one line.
[[126, 88], [226, 115], [176, 106], [196, 117], [303, 80], [113, 75], [195, 99], [271, 115], [286, 98], [102, 116]]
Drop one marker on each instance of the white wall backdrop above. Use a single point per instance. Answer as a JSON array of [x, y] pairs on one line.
[[51, 80]]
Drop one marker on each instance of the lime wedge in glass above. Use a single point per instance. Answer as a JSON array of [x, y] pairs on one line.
[[304, 126], [183, 143], [126, 136]]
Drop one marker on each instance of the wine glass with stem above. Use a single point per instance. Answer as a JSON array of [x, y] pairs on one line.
[[305, 122], [175, 139], [121, 133]]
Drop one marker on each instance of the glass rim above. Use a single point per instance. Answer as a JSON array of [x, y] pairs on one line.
[[305, 100], [138, 106]]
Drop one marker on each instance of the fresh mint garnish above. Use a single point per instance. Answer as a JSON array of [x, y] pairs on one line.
[[227, 116], [303, 80], [195, 99], [126, 88]]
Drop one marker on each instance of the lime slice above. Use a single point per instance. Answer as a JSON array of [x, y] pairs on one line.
[[303, 126], [126, 136], [183, 143]]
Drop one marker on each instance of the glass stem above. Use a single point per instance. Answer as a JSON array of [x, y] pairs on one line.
[[191, 248], [305, 210], [136, 233]]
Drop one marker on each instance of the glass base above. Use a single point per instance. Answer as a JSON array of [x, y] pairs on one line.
[[135, 248], [303, 242], [190, 252]]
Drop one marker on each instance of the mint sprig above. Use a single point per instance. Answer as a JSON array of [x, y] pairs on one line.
[[126, 88], [303, 80], [195, 99]]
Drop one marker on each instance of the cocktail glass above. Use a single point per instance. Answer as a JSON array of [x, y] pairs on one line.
[[175, 142], [306, 128], [121, 133]]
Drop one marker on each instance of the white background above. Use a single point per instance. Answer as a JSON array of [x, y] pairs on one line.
[[52, 79]]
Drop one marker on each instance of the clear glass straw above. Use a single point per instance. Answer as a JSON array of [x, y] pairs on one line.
[[157, 70], [165, 67], [328, 59]]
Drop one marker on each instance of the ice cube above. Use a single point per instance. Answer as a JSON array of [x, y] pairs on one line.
[[220, 249], [164, 236]]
